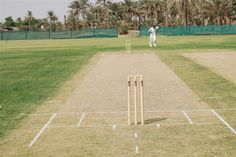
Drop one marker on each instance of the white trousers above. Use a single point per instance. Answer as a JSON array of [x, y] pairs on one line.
[[152, 40]]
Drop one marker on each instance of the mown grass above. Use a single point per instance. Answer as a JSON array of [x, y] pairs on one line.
[[28, 78], [210, 87], [165, 43], [32, 71]]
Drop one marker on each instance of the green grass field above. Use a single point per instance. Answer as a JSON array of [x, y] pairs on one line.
[[31, 72]]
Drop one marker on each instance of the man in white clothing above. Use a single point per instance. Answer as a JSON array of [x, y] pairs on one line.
[[152, 32]]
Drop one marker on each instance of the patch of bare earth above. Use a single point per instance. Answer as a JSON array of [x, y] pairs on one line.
[[92, 119], [223, 63]]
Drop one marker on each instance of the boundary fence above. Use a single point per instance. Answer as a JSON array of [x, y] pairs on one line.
[[67, 34], [193, 30], [113, 32]]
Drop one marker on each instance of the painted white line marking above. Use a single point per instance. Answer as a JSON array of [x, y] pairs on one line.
[[63, 126], [187, 117], [125, 126], [135, 135], [223, 121], [157, 111], [118, 112], [81, 120], [227, 109], [108, 112], [53, 101], [99, 125], [136, 149], [42, 130], [113, 127], [203, 110], [38, 114]]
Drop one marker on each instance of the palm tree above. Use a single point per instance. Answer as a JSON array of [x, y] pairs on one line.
[[182, 9], [102, 3], [127, 7], [222, 11], [166, 8], [75, 12], [115, 9], [145, 7], [52, 18], [79, 9], [72, 22], [84, 7], [29, 18], [97, 12], [188, 9]]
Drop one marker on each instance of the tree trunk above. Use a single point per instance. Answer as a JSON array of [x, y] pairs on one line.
[[186, 12], [29, 26], [166, 20], [202, 13]]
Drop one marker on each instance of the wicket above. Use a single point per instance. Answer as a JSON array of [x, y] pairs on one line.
[[137, 81], [128, 46]]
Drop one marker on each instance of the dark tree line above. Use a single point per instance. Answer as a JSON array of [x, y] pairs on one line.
[[131, 14]]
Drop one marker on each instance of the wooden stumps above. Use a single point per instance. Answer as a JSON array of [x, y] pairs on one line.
[[128, 47], [135, 82]]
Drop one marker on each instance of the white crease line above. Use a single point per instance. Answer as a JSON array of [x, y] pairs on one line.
[[111, 112], [213, 123], [81, 120], [187, 117], [96, 126], [188, 124], [223, 121], [162, 111], [63, 126], [84, 126], [42, 130], [229, 109], [136, 149], [70, 113], [197, 110], [38, 114], [113, 127], [108, 112], [200, 110], [53, 101], [108, 126], [135, 135]]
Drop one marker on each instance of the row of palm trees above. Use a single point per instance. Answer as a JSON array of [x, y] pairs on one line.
[[131, 14], [29, 22], [49, 21]]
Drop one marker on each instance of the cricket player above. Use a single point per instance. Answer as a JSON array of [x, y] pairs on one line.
[[153, 37]]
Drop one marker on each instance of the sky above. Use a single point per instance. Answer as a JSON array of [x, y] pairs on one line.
[[39, 8]]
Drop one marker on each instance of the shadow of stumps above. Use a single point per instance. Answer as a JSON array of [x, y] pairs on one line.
[[153, 120]]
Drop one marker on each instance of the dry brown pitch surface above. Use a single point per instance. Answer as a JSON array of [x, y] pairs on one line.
[[91, 119]]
